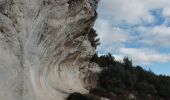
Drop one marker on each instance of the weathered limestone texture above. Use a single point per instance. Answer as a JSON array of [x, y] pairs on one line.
[[44, 48]]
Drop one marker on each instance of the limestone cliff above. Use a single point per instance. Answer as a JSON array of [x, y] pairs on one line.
[[44, 48]]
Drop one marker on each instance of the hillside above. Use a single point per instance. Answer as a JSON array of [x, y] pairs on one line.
[[124, 81]]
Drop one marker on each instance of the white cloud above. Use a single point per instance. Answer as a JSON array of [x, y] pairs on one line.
[[155, 36], [156, 4], [114, 14], [125, 11], [110, 35], [166, 12], [143, 55], [133, 11]]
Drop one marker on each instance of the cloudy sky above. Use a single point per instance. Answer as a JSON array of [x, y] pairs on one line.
[[139, 29]]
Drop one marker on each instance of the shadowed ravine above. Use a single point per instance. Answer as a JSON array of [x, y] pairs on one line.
[[44, 48]]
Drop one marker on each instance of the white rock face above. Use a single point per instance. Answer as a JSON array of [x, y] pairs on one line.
[[44, 48]]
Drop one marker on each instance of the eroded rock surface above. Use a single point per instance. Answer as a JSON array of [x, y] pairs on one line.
[[44, 48]]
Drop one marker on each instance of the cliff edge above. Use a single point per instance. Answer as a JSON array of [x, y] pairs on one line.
[[44, 48]]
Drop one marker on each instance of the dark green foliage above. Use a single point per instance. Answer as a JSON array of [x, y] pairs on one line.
[[118, 81], [103, 61], [92, 38], [77, 96], [127, 62], [98, 91]]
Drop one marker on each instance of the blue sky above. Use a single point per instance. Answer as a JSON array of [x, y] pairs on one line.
[[139, 29]]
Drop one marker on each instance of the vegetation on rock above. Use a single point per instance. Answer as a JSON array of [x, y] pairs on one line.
[[124, 81]]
